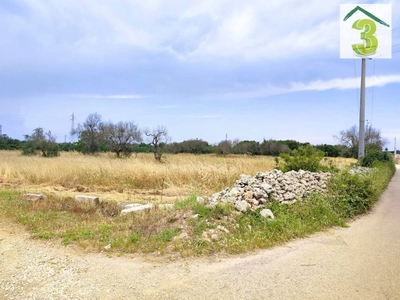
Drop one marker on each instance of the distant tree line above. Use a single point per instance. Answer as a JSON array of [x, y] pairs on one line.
[[125, 138], [7, 143]]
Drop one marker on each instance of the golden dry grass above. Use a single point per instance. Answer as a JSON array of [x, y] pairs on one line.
[[139, 178], [141, 174]]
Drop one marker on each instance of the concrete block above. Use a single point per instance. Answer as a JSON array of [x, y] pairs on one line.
[[33, 197], [166, 206], [136, 208], [131, 205], [87, 199]]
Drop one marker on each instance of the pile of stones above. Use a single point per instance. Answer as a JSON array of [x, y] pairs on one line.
[[254, 192], [361, 170]]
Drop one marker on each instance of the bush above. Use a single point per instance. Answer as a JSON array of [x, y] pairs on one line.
[[305, 158], [353, 194], [28, 150], [376, 156]]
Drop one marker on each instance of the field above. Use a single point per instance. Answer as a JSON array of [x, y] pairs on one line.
[[189, 227], [139, 178]]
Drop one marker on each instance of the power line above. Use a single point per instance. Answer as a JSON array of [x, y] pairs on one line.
[[355, 80], [387, 31], [373, 92]]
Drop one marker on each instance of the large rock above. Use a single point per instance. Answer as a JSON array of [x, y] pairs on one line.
[[242, 205], [267, 213]]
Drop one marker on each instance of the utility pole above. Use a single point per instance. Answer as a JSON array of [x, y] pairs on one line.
[[72, 133], [1, 130], [361, 138], [395, 150]]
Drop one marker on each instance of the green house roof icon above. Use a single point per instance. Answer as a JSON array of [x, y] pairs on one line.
[[358, 8]]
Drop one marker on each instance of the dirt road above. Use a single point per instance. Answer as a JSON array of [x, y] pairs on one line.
[[359, 262]]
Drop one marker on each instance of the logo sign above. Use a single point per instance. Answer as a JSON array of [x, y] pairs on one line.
[[365, 31]]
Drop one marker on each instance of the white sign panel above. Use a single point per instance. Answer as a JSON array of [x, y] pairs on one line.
[[365, 31]]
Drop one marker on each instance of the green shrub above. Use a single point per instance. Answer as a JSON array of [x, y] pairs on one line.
[[353, 194], [306, 158], [27, 150], [376, 156]]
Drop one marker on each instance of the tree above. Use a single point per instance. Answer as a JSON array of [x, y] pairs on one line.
[[7, 143], [272, 147], [224, 147], [330, 150], [349, 138], [247, 147], [40, 142], [157, 139], [292, 144], [121, 136], [141, 148], [195, 147], [90, 134]]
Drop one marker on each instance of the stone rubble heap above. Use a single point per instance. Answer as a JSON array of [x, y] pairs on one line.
[[361, 170], [254, 192]]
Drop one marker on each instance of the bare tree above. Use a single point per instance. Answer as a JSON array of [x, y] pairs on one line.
[[157, 137], [349, 138], [121, 136]]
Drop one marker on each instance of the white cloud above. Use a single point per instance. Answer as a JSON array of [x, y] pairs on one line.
[[98, 96], [270, 30], [318, 85], [98, 29], [344, 83]]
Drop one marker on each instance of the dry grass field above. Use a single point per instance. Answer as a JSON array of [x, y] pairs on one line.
[[142, 179], [139, 178]]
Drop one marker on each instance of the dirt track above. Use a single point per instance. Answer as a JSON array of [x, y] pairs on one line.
[[359, 262]]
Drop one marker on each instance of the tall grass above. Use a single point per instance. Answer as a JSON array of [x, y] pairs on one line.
[[183, 173], [140, 175]]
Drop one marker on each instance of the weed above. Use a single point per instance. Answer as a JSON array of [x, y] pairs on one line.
[[167, 234], [134, 237], [352, 194]]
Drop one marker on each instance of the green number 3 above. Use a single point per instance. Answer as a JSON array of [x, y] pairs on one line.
[[371, 42]]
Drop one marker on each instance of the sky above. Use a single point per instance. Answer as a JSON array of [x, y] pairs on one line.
[[210, 69]]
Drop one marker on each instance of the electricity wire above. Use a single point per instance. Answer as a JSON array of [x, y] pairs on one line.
[[373, 92], [355, 80]]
